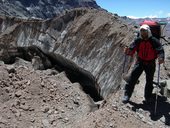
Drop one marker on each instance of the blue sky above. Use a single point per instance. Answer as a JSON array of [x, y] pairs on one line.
[[136, 8]]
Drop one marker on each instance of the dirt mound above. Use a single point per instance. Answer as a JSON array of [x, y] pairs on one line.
[[30, 98]]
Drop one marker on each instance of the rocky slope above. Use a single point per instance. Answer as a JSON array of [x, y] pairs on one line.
[[41, 8], [46, 98]]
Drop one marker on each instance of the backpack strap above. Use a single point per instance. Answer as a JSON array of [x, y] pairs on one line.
[[157, 46], [154, 42]]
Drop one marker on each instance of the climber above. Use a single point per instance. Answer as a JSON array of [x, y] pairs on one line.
[[148, 49]]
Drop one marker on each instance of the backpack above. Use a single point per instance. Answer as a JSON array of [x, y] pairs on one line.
[[155, 28]]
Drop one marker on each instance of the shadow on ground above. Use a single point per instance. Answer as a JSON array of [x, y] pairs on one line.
[[163, 109]]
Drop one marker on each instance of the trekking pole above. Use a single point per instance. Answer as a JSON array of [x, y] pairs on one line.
[[124, 63], [156, 100]]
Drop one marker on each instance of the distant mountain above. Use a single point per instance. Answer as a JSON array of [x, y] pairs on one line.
[[136, 22], [41, 8]]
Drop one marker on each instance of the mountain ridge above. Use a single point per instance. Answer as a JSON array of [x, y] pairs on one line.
[[40, 8]]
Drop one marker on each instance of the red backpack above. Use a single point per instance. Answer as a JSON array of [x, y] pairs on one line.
[[155, 28]]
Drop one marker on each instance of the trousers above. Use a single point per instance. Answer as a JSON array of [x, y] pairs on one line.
[[139, 67]]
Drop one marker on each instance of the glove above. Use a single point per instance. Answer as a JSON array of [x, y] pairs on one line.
[[127, 51], [160, 60]]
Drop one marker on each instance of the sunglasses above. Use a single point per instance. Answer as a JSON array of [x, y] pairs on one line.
[[144, 30]]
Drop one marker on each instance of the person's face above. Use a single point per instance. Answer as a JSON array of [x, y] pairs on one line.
[[144, 33]]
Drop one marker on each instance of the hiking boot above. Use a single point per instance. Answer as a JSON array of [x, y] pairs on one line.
[[125, 99]]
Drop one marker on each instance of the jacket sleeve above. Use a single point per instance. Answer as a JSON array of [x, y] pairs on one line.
[[133, 47], [159, 48]]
